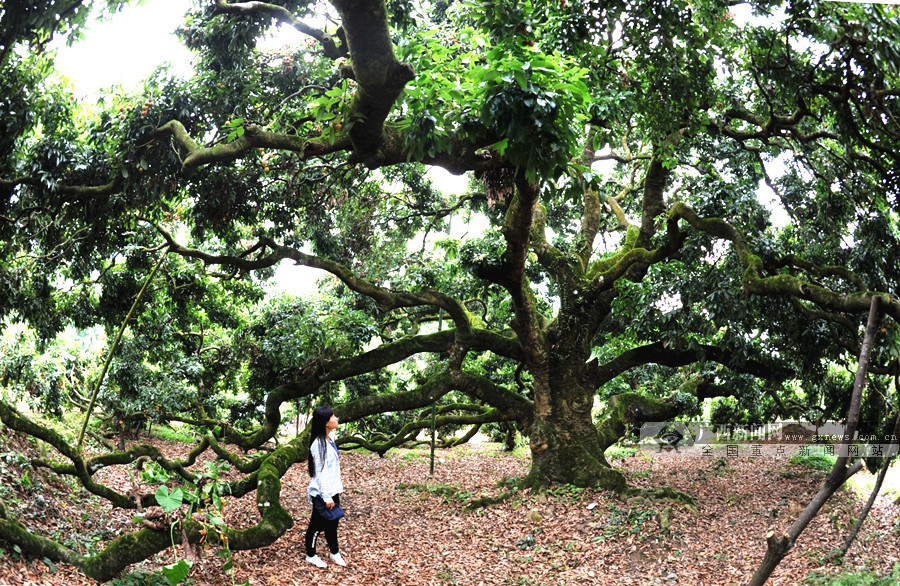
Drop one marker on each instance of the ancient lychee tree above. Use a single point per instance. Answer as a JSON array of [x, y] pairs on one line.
[[617, 256]]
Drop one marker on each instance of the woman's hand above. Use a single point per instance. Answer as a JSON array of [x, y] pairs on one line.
[[329, 505]]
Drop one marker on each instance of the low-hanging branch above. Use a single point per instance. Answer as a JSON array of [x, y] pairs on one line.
[[410, 430], [131, 548], [376, 359], [85, 469]]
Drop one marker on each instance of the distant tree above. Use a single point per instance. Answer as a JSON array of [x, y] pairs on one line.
[[617, 152]]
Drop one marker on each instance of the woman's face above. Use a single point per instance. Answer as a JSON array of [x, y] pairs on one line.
[[332, 424]]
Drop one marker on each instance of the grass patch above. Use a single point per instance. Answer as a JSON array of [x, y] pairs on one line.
[[415, 456], [171, 434], [862, 484], [860, 578], [521, 452], [817, 462], [616, 452]]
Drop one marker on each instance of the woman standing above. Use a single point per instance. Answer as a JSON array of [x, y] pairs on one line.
[[324, 486]]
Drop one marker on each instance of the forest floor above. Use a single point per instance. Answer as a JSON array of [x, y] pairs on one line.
[[404, 526]]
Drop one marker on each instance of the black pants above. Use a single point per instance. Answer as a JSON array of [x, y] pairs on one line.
[[318, 524]]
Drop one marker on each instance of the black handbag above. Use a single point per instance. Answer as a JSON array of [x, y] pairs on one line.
[[332, 514]]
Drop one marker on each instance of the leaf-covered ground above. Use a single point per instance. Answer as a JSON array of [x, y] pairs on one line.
[[406, 527]]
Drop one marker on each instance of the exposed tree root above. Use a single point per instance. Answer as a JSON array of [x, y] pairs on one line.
[[661, 495], [490, 501]]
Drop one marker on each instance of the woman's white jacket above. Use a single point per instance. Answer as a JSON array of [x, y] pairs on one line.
[[327, 481]]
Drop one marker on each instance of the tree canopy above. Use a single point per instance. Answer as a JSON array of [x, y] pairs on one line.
[[619, 262]]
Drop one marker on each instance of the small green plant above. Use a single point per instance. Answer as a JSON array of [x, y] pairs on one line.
[[205, 496], [448, 492], [567, 492], [526, 542], [25, 481], [153, 473], [413, 457], [15, 458], [821, 555], [141, 578], [622, 522], [446, 574]]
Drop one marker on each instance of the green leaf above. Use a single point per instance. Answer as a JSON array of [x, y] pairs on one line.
[[169, 501], [521, 78], [176, 573], [49, 563], [488, 75]]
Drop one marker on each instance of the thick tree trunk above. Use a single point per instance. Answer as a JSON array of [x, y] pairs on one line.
[[566, 445], [566, 448]]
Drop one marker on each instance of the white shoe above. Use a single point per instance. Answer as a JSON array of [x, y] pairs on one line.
[[336, 558], [317, 561]]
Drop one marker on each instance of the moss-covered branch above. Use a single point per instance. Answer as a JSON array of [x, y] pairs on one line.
[[658, 353], [425, 394], [591, 214], [281, 15], [627, 408], [843, 273], [114, 186], [512, 405], [755, 281], [196, 156], [84, 470], [561, 267], [411, 430], [505, 405], [653, 199]]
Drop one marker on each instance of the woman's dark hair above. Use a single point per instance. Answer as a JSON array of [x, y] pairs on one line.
[[321, 416]]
